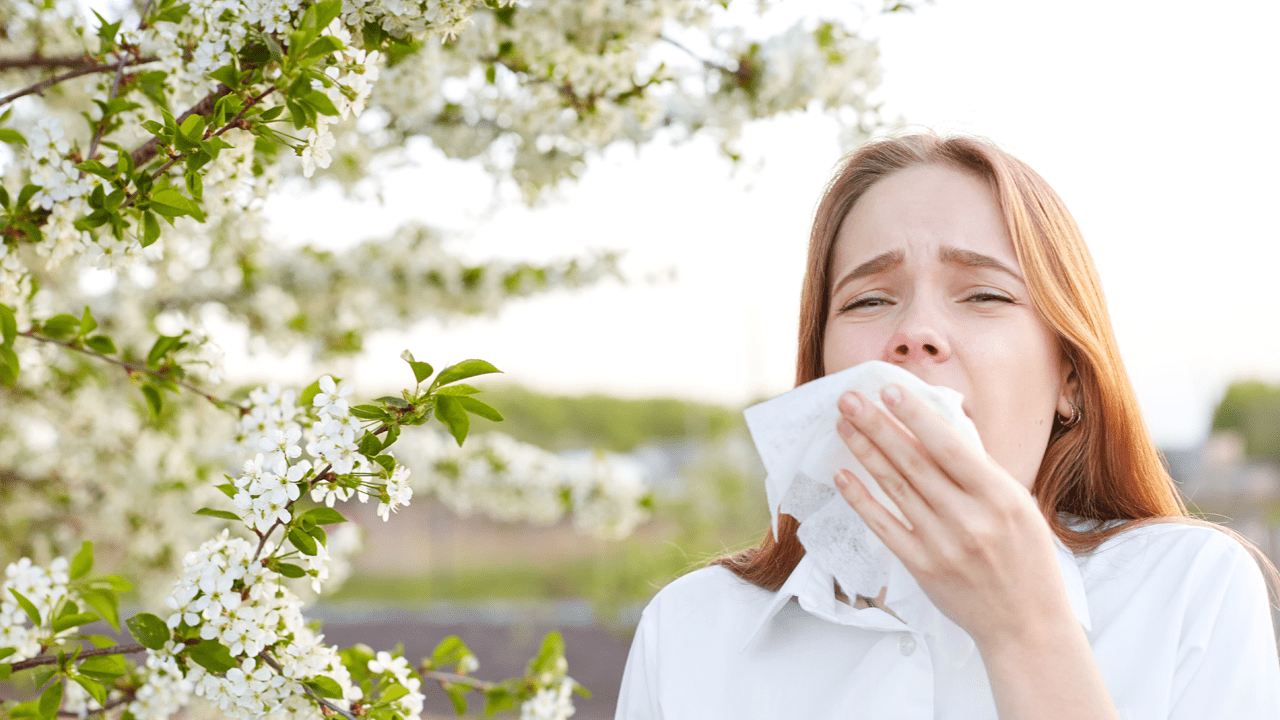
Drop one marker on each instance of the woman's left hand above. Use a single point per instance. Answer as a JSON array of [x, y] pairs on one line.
[[978, 544]]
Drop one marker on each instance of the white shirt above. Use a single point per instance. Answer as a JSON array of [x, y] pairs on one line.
[[1177, 616]]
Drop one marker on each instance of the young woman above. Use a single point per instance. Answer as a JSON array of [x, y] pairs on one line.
[[957, 262]]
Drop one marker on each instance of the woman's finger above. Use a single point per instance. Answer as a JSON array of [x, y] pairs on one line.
[[900, 541], [905, 454], [915, 508], [946, 449]]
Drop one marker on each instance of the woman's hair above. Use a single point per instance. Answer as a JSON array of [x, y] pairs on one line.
[[1105, 467]]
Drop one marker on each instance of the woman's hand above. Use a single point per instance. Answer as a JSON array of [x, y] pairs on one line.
[[978, 545]]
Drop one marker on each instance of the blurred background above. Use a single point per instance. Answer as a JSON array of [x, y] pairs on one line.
[[678, 254], [1149, 118]]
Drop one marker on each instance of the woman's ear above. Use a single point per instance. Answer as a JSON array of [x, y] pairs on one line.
[[1069, 383]]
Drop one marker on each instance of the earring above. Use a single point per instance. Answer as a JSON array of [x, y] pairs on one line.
[[1076, 414]]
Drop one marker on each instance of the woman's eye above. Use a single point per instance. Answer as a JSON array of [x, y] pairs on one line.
[[987, 297], [864, 302]]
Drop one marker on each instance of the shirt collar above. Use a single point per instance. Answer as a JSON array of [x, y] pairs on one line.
[[814, 588]]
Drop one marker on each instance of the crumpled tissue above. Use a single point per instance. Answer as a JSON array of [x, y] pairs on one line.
[[795, 435]]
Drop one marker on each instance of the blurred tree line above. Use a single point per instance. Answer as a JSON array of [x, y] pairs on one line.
[[1251, 409]]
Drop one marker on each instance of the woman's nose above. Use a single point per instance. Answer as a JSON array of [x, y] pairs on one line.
[[918, 339]]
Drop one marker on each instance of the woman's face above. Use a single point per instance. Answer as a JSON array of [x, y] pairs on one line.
[[924, 276]]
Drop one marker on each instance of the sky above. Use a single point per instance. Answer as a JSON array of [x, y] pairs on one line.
[[1155, 122]]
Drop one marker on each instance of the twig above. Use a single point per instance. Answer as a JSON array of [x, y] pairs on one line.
[[115, 87], [129, 367], [276, 666], [705, 62], [460, 679], [51, 659], [262, 538], [148, 150], [85, 70]]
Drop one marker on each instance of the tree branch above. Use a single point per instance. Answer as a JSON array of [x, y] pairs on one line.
[[233, 122], [148, 150], [445, 677], [115, 88], [86, 68], [130, 368], [325, 703], [53, 659]]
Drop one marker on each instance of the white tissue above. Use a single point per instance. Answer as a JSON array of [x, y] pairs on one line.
[[796, 437]]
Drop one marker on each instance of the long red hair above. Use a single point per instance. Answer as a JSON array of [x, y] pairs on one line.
[[1103, 468]]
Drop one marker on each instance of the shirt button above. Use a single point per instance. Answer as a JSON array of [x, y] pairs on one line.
[[906, 645]]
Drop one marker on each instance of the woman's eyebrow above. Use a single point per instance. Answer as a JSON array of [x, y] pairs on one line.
[[971, 259], [884, 261]]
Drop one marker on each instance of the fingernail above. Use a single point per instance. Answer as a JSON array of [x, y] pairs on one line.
[[849, 404], [891, 395], [842, 478], [845, 428]]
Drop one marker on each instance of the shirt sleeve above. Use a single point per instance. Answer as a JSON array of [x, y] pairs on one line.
[[1227, 665], [638, 697]]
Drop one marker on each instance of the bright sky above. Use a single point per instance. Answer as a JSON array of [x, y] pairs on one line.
[[1154, 120]]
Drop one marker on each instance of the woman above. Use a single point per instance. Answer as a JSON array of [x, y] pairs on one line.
[[957, 262]]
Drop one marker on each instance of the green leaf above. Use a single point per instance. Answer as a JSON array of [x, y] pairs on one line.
[[476, 407], [160, 348], [458, 694], [227, 75], [93, 687], [212, 656], [309, 394], [6, 652], [290, 571], [154, 400], [27, 192], [323, 45], [459, 389], [13, 137], [82, 563], [464, 370], [51, 700], [451, 414], [104, 603], [171, 203], [26, 710], [449, 651], [326, 12], [101, 344], [87, 323], [304, 542], [393, 693], [94, 167], [116, 582], [497, 699], [101, 641], [321, 102], [325, 686], [150, 228], [70, 621], [368, 412], [324, 516], [60, 326], [6, 670], [393, 401], [421, 370], [551, 651], [370, 445], [148, 630], [224, 514], [104, 667], [8, 324], [28, 607], [8, 365]]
